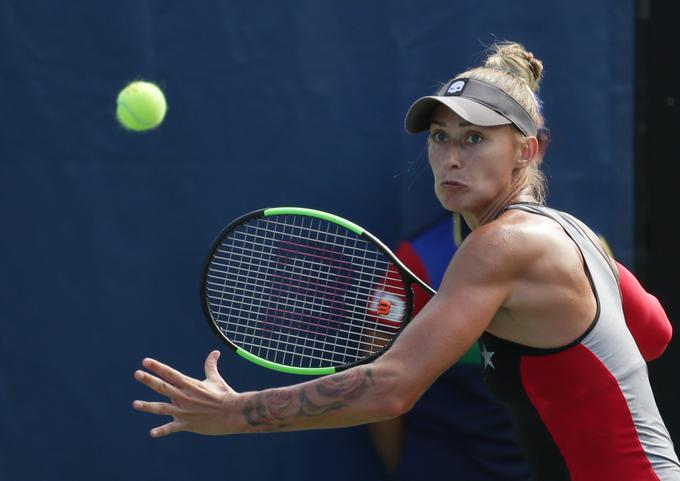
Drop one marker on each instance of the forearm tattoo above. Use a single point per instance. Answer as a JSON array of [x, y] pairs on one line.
[[277, 409]]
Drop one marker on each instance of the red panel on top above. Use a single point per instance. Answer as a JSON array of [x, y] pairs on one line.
[[645, 317], [584, 410]]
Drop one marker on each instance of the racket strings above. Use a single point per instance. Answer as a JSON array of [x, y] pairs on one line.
[[248, 272], [309, 313], [362, 247], [303, 291], [312, 322], [372, 344], [250, 298]]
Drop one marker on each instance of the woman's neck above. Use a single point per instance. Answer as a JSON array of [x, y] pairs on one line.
[[496, 208]]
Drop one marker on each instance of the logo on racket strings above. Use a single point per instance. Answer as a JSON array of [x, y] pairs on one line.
[[384, 307], [389, 308]]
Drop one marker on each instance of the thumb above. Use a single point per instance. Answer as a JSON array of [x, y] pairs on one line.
[[211, 371]]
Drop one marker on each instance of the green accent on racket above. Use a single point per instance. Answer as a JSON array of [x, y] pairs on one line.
[[311, 371], [315, 213]]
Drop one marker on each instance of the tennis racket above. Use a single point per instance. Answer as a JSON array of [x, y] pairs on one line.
[[306, 292]]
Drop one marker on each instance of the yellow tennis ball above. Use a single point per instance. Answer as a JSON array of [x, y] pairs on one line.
[[141, 106]]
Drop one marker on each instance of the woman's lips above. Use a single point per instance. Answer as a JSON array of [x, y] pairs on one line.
[[453, 184]]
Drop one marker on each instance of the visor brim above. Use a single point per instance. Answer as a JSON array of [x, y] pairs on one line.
[[420, 113]]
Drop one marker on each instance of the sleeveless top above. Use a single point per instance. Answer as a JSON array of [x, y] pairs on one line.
[[584, 411]]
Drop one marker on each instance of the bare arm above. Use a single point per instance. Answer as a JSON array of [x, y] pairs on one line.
[[212, 407], [476, 284], [314, 404]]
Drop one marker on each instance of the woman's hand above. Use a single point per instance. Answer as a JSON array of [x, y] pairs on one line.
[[196, 406]]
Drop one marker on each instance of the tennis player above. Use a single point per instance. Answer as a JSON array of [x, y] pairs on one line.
[[532, 284]]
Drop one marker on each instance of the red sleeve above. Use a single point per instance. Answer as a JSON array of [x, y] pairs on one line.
[[410, 258], [645, 317]]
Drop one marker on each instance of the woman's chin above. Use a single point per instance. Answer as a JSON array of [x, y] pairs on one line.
[[450, 204]]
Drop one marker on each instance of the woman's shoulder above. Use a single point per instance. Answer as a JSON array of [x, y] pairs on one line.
[[514, 230], [514, 240]]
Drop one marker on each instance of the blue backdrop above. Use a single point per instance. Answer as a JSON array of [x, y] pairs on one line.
[[270, 103]]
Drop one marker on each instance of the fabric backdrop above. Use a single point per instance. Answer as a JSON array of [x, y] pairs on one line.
[[270, 103]]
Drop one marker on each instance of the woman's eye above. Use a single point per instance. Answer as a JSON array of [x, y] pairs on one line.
[[438, 137], [473, 139]]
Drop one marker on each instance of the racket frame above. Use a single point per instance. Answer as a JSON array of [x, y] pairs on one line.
[[407, 275]]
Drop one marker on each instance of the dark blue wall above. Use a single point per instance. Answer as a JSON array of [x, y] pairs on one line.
[[271, 103]]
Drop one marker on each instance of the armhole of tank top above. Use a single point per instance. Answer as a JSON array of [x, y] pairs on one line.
[[576, 225], [538, 210]]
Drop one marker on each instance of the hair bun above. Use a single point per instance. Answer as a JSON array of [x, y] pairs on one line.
[[514, 59]]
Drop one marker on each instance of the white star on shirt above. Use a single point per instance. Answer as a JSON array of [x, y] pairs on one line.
[[487, 355]]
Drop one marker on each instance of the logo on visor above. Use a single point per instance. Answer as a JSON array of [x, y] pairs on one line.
[[455, 87]]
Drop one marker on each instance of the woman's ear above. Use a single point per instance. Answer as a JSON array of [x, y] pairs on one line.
[[528, 150]]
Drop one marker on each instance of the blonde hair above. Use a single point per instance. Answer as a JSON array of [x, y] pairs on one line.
[[513, 69]]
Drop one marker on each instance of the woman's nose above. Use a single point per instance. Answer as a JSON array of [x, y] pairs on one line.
[[452, 159]]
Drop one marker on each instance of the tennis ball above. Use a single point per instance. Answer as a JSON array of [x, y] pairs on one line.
[[141, 106]]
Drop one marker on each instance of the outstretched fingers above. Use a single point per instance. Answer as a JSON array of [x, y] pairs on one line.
[[169, 374], [157, 408], [159, 385], [196, 406], [170, 428]]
